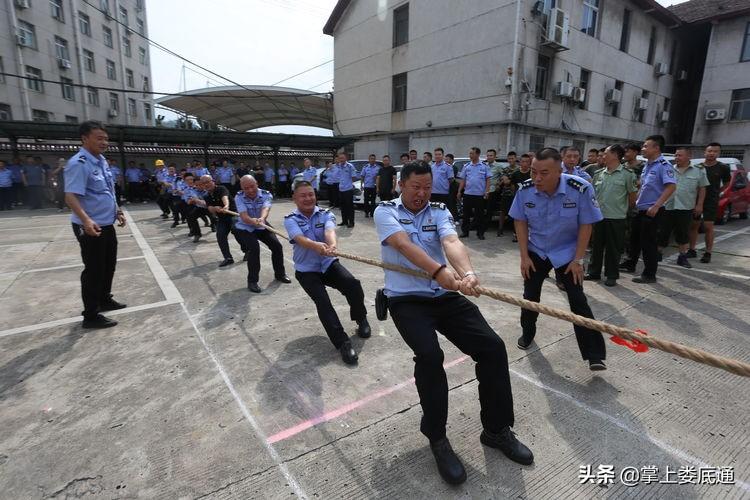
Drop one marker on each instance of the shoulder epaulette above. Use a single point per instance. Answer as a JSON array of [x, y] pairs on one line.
[[580, 186], [437, 204], [82, 159], [389, 203], [290, 215], [526, 184], [324, 210]]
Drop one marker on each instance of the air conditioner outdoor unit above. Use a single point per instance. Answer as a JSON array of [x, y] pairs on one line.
[[22, 4], [664, 117], [682, 75], [113, 113], [641, 103], [63, 63], [563, 89], [579, 94], [613, 96], [661, 69], [713, 114], [558, 29]]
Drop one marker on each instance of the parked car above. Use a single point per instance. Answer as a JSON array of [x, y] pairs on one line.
[[359, 194], [734, 198], [322, 186]]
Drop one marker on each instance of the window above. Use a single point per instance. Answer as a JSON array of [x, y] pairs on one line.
[[56, 9], [26, 34], [132, 111], [34, 79], [590, 15], [740, 107], [536, 142], [5, 112], [399, 92], [38, 115], [581, 145], [126, 46], [542, 76], [640, 114], [145, 85], [124, 16], [129, 78], [111, 72], [107, 34], [84, 23], [140, 26], [61, 48], [401, 25], [92, 96], [583, 82], [88, 61], [71, 119], [651, 46], [104, 6], [114, 101], [673, 57], [745, 55], [616, 105], [67, 89], [147, 111], [625, 33], [142, 55]]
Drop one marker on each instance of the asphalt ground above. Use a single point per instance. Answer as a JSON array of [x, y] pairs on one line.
[[206, 390]]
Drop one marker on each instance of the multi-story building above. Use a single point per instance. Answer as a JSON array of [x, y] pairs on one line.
[[82, 59], [517, 74]]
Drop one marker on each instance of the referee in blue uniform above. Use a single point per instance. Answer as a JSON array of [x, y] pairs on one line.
[[90, 194]]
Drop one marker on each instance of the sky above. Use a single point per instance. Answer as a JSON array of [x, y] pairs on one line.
[[253, 42]]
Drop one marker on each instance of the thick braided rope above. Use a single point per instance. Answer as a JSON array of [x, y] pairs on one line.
[[731, 365]]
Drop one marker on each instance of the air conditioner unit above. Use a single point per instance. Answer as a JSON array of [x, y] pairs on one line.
[[641, 103], [63, 63], [713, 114], [664, 117], [613, 96], [682, 75], [661, 69], [22, 4], [579, 94], [113, 113], [558, 29], [563, 89]]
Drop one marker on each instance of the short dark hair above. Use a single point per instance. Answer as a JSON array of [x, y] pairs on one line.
[[593, 150], [412, 151], [713, 145], [633, 146], [569, 148], [658, 139], [89, 126], [526, 155], [617, 150], [415, 168], [476, 150], [450, 155], [684, 148], [492, 150], [188, 175], [300, 184], [371, 155], [550, 154], [602, 150], [387, 156], [440, 149], [512, 153], [404, 154], [563, 149], [427, 153]]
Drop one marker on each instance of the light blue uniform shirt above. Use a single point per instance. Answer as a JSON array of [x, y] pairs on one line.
[[554, 220], [225, 175], [442, 173], [34, 174], [188, 192], [268, 174], [253, 207], [89, 178], [425, 229], [159, 174], [347, 174], [169, 179], [199, 172], [133, 174], [283, 174], [314, 228], [179, 185], [16, 169], [475, 175], [654, 178], [577, 171], [293, 171], [333, 175], [310, 174], [369, 174], [6, 178], [116, 173]]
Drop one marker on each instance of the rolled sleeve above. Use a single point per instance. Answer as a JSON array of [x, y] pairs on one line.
[[76, 176], [386, 224]]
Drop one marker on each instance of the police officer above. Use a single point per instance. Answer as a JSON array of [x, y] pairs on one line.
[[310, 174], [347, 174], [657, 185], [117, 177], [570, 157], [253, 205], [90, 194], [420, 235], [6, 187], [312, 231], [187, 191], [163, 199], [178, 208], [553, 214], [166, 184], [332, 175], [369, 176], [474, 186], [197, 208], [199, 170], [442, 176], [225, 175]]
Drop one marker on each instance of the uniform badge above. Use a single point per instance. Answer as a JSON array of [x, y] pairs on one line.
[[670, 172], [405, 221], [431, 227], [529, 204], [569, 204], [320, 224], [594, 202]]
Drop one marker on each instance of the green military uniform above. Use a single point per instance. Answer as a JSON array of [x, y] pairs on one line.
[[612, 193]]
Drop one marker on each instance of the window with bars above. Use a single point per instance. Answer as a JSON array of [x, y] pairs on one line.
[[745, 54], [651, 46], [107, 35], [625, 33], [129, 79], [88, 61], [399, 92], [84, 24], [147, 111], [132, 109], [140, 26], [26, 34], [71, 119], [114, 101], [39, 115], [92, 96], [68, 92], [584, 82], [56, 10], [536, 142], [124, 16], [739, 109], [34, 79], [542, 76], [142, 55], [401, 25], [590, 17], [616, 105], [126, 47], [111, 71], [61, 48]]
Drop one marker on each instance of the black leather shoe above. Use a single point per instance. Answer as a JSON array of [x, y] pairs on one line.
[[706, 259], [591, 277], [283, 279], [449, 465], [363, 329], [253, 287], [226, 262], [350, 225], [627, 266], [174, 224], [348, 354], [381, 305], [506, 441], [597, 365], [610, 282], [98, 321], [111, 305], [691, 254], [524, 342], [644, 279], [196, 238]]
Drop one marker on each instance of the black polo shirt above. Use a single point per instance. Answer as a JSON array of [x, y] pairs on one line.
[[214, 199]]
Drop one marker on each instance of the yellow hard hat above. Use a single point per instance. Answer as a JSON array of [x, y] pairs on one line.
[[159, 163]]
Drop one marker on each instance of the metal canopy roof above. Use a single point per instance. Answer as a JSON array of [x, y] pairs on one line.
[[251, 107]]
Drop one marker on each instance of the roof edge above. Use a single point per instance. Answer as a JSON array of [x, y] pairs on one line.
[[335, 17]]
